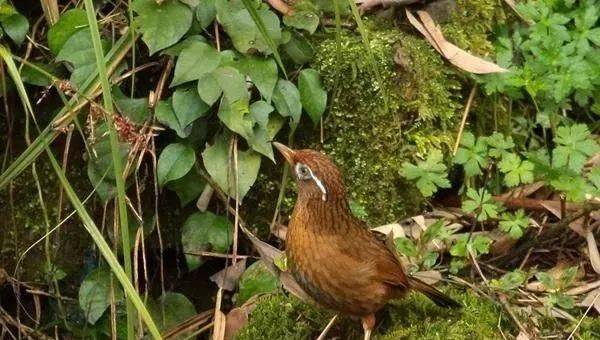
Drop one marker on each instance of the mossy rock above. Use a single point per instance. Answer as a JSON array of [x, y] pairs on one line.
[[369, 141], [282, 317]]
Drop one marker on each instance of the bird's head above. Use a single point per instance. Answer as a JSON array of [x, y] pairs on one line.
[[317, 176]]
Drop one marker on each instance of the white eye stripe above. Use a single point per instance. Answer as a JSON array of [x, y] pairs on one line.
[[304, 172]]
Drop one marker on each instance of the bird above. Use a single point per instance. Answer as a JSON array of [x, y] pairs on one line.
[[338, 262]]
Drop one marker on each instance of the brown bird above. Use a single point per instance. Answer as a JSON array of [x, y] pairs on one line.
[[332, 255]]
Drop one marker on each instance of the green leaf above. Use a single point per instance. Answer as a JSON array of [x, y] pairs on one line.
[[429, 174], [430, 259], [16, 27], [510, 281], [499, 144], [574, 146], [312, 94], [31, 75], [105, 188], [304, 20], [514, 224], [165, 114], [136, 109], [262, 72], [286, 98], [175, 50], [257, 279], [162, 24], [406, 246], [206, 12], [517, 171], [170, 310], [472, 154], [217, 163], [101, 155], [481, 204], [299, 49], [209, 89], [437, 231], [574, 186], [233, 84], [188, 106], [95, 294], [266, 128], [69, 23], [188, 187], [205, 232], [79, 51], [174, 162], [241, 28], [568, 276], [195, 60], [547, 280]]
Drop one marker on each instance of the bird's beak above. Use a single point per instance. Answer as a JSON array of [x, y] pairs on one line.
[[286, 152]]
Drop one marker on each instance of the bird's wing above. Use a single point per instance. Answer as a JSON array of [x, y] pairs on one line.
[[388, 268]]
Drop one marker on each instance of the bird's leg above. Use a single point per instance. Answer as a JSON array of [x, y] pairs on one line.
[[368, 322]]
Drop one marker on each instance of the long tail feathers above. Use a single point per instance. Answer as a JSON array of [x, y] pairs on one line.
[[435, 295]]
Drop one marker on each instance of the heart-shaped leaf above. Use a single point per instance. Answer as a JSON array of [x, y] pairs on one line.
[[287, 101], [262, 72], [195, 60], [174, 162], [170, 310], [312, 94], [205, 232], [70, 22], [162, 24], [95, 294], [217, 163]]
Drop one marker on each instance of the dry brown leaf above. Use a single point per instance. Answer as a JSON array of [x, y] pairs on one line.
[[522, 336], [430, 277], [394, 228], [268, 254], [236, 319], [584, 288], [204, 199], [455, 55], [228, 277], [593, 251], [592, 298], [219, 325]]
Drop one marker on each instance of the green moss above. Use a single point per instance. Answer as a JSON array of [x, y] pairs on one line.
[[417, 318], [281, 317], [472, 23], [366, 140]]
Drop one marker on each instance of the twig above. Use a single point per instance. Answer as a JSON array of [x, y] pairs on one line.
[[327, 328], [464, 119], [583, 316], [281, 7]]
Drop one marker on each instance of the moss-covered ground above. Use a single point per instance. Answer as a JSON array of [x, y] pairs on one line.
[[282, 317]]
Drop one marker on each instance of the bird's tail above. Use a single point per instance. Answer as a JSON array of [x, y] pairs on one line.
[[435, 295]]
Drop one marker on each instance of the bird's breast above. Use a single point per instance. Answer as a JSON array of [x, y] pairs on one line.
[[330, 274]]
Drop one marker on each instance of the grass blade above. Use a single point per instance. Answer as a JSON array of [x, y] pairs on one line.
[[263, 31], [115, 151], [87, 91], [88, 223]]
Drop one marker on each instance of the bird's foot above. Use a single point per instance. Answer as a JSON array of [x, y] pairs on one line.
[[368, 322]]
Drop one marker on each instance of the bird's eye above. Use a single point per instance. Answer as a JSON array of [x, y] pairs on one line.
[[302, 171]]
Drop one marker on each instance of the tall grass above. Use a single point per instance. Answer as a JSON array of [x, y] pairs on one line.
[[43, 142], [114, 149]]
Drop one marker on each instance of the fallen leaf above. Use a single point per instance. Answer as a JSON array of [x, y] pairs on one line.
[[204, 199], [522, 336], [584, 288], [430, 277], [455, 55], [227, 278], [593, 298], [219, 325], [237, 318], [394, 228], [593, 251]]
